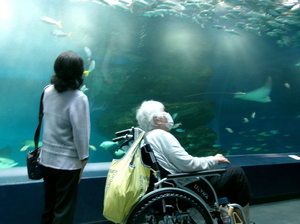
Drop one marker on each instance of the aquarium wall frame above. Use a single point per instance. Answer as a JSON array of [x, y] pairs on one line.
[[272, 177]]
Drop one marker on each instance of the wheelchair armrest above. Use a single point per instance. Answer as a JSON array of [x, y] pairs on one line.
[[200, 173]]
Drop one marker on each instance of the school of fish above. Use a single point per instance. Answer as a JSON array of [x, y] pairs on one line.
[[277, 19]]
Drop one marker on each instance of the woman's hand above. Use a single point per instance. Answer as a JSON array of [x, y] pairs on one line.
[[221, 159], [83, 162]]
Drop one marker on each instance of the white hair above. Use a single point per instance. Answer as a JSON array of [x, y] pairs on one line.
[[147, 111]]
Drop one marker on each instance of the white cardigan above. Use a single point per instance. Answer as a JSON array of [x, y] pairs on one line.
[[172, 156]]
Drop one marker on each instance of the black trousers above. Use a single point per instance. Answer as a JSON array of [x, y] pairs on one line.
[[232, 184], [61, 188]]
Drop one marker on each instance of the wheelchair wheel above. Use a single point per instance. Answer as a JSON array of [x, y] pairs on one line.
[[168, 207]]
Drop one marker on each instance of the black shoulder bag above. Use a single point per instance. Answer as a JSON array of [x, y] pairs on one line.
[[33, 166]]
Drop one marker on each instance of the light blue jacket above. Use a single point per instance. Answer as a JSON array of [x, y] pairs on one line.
[[66, 129]]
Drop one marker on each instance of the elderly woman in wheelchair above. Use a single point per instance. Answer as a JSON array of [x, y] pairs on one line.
[[184, 189], [195, 198]]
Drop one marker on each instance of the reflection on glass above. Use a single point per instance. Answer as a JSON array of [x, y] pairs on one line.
[[227, 71]]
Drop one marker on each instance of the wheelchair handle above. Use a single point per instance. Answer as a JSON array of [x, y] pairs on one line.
[[124, 132], [122, 138]]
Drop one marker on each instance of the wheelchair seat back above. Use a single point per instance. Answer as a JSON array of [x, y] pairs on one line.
[[201, 186]]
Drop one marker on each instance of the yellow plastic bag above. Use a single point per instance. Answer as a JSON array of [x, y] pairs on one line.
[[127, 181]]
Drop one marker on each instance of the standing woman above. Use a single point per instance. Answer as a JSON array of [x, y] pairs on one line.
[[64, 152]]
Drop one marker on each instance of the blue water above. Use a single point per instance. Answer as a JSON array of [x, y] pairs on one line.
[[275, 126], [121, 41]]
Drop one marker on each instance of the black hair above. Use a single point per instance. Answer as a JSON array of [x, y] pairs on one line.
[[68, 68]]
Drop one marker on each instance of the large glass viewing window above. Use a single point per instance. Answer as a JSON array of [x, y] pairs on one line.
[[227, 71]]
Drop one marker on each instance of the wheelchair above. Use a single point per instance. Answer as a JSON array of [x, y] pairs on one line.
[[168, 201]]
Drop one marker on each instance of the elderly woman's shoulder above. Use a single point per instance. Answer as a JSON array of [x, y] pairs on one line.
[[159, 132]]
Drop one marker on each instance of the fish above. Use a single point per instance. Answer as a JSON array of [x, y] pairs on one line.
[[119, 152], [258, 95], [108, 144], [6, 163], [59, 33], [126, 2], [260, 139], [287, 85], [216, 146], [171, 3], [192, 6], [253, 30], [88, 52], [164, 6], [31, 143], [260, 15], [272, 34], [180, 130], [298, 64], [235, 147], [51, 21], [123, 7], [176, 125], [91, 68], [246, 120], [274, 24], [24, 148], [84, 88], [241, 25], [253, 115], [232, 31], [174, 115], [78, 0], [141, 2], [224, 17], [295, 8], [229, 130], [218, 27], [105, 2], [92, 147], [154, 13]]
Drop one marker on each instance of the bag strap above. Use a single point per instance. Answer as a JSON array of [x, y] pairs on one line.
[[38, 129], [135, 146]]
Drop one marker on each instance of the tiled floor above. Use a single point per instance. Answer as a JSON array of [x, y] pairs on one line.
[[282, 212]]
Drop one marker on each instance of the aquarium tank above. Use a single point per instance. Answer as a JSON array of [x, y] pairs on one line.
[[227, 71]]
